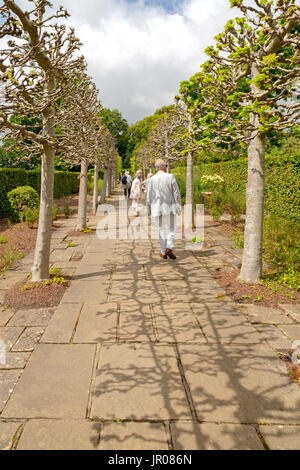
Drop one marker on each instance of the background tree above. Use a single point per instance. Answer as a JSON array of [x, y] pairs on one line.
[[35, 66], [118, 126]]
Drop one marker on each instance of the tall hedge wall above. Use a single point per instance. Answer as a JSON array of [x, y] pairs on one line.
[[282, 196], [65, 183]]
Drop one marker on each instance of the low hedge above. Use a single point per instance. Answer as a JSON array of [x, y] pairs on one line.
[[282, 195], [65, 183]]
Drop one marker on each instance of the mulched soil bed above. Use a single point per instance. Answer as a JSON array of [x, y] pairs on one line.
[[20, 241], [236, 290], [38, 295]]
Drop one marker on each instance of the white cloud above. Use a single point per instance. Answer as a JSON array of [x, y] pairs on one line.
[[138, 54]]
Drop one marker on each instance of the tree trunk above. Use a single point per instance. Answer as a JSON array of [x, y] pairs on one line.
[[81, 220], [251, 270], [109, 183], [190, 190], [95, 195], [40, 269], [104, 187]]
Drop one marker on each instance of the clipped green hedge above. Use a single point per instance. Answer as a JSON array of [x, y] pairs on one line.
[[282, 195], [65, 183]]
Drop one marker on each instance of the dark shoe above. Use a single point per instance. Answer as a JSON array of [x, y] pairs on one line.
[[170, 254], [163, 256]]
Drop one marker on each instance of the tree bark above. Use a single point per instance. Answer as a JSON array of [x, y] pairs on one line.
[[95, 195], [109, 182], [251, 270], [81, 220], [104, 187], [190, 189], [40, 269]]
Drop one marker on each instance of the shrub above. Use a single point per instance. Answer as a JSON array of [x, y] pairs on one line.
[[235, 205], [22, 198], [282, 243], [31, 215], [218, 205], [66, 210], [65, 183]]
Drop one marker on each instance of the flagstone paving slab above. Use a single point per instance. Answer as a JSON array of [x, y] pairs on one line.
[[97, 323], [7, 433], [274, 337], [138, 381], [80, 291], [293, 310], [281, 437], [62, 324], [267, 315], [15, 360], [5, 316], [59, 435], [8, 380], [9, 335], [239, 384], [177, 323], [37, 317], [183, 291], [210, 436], [228, 329], [133, 436], [92, 273], [135, 323], [55, 384], [28, 339], [141, 291], [292, 331], [9, 278]]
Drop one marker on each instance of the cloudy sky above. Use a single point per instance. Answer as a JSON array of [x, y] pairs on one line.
[[139, 51]]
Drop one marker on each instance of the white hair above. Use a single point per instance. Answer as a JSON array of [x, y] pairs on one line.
[[160, 165]]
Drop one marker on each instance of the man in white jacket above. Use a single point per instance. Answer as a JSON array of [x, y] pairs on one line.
[[163, 196]]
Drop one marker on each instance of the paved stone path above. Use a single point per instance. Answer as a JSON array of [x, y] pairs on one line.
[[144, 353]]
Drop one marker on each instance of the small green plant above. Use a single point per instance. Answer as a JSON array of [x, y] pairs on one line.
[[59, 280], [71, 245], [218, 205], [238, 238], [87, 230], [259, 299], [7, 259], [55, 272], [30, 215], [55, 211], [197, 240], [3, 240], [66, 210], [48, 282], [20, 256], [246, 297], [22, 198]]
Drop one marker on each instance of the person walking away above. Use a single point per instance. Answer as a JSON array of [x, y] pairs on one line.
[[146, 182], [126, 184], [137, 193], [164, 202]]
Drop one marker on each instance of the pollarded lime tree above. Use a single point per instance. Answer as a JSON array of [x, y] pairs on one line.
[[161, 138], [247, 87], [36, 65]]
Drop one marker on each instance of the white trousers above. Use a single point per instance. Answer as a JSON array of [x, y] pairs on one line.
[[169, 222]]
